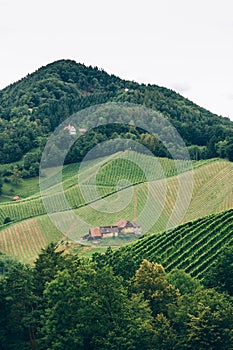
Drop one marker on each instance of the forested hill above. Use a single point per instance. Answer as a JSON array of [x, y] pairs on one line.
[[31, 108]]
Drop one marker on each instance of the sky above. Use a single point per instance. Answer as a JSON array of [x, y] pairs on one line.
[[184, 45]]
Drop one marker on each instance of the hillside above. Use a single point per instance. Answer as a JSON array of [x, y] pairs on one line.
[[33, 107], [31, 229], [192, 247]]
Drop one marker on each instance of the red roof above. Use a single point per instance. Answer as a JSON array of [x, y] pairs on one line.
[[95, 232], [121, 223]]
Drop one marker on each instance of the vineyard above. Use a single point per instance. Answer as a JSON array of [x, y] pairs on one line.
[[193, 246], [107, 176], [25, 239], [126, 185], [212, 193]]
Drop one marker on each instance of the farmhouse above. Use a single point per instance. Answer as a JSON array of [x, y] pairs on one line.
[[94, 233], [109, 231], [121, 227], [126, 226]]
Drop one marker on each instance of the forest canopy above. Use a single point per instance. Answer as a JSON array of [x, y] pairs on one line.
[[33, 107], [67, 302]]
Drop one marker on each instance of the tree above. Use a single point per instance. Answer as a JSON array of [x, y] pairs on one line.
[[203, 320], [16, 177], [229, 150], [220, 275], [7, 220], [17, 308], [165, 337], [48, 263], [90, 309], [210, 325], [183, 281], [150, 279]]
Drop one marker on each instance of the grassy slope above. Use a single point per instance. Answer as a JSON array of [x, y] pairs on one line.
[[212, 193]]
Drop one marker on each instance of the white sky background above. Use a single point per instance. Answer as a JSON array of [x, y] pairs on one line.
[[186, 45]]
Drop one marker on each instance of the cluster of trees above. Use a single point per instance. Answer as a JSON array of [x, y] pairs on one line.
[[33, 107], [64, 302], [206, 134], [19, 136]]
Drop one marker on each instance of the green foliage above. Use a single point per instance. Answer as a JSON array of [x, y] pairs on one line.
[[220, 275], [33, 107], [7, 220], [204, 320], [89, 309], [183, 281], [165, 337], [84, 305], [46, 266], [150, 280], [17, 304], [16, 177]]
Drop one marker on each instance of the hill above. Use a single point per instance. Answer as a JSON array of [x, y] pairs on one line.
[[31, 229], [33, 107], [183, 206]]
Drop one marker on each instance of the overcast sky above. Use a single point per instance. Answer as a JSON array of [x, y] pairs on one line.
[[186, 45]]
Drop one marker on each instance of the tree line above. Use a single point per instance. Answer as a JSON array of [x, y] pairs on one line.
[[32, 108], [67, 302]]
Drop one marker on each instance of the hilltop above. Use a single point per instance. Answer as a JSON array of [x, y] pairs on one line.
[[33, 107]]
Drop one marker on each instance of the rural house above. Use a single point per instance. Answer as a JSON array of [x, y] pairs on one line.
[[126, 226], [121, 227]]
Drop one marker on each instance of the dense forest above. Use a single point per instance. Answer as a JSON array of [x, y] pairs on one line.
[[33, 107], [67, 302]]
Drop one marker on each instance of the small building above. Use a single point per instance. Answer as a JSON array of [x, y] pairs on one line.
[[94, 233], [121, 227], [109, 231], [136, 227], [71, 129], [126, 226], [16, 198]]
